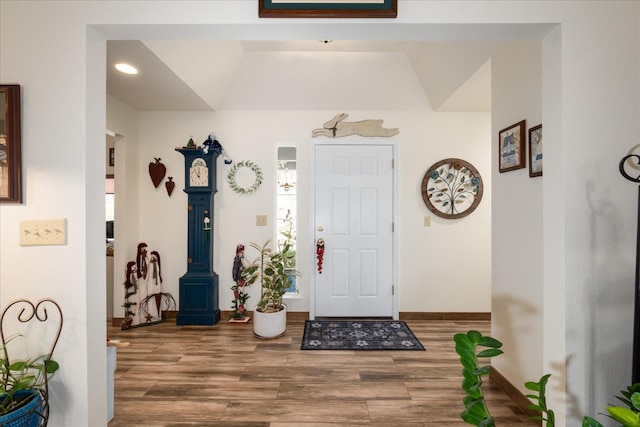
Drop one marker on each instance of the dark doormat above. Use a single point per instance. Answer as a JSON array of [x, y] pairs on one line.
[[359, 335]]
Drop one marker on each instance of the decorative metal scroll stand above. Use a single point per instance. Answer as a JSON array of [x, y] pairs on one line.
[[27, 311], [635, 371]]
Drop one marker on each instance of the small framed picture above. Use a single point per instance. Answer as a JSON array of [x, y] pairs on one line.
[[511, 147], [112, 156], [535, 151], [328, 9], [10, 145]]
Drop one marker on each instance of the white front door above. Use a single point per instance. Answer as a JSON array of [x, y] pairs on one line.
[[354, 216]]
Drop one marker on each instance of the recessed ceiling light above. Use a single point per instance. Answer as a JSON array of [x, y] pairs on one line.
[[126, 68]]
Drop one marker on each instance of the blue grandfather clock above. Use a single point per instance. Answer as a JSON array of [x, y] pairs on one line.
[[199, 299]]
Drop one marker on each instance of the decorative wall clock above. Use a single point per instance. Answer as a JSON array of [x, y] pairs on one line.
[[452, 188]]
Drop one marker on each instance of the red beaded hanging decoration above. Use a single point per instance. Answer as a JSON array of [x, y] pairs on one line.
[[320, 253]]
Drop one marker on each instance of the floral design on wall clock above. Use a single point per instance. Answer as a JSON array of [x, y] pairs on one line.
[[452, 188]]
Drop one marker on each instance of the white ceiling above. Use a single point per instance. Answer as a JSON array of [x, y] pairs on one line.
[[209, 75]]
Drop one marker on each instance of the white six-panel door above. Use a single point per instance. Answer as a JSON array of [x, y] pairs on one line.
[[354, 216]]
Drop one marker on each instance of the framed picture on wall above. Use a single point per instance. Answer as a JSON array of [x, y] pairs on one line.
[[328, 9], [10, 145], [535, 151], [112, 156], [511, 147]]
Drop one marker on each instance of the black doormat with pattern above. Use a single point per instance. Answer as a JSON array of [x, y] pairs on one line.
[[358, 335]]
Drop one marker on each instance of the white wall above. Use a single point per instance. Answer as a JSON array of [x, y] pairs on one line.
[[123, 121], [430, 259], [56, 51], [599, 205], [517, 217]]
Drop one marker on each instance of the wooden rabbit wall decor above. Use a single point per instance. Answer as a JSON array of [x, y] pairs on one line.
[[336, 128]]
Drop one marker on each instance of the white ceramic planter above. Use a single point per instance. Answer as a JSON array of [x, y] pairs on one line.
[[269, 325]]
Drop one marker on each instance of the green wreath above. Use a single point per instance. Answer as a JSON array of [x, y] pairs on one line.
[[231, 177]]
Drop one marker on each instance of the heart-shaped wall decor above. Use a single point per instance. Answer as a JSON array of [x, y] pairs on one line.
[[157, 171], [170, 185]]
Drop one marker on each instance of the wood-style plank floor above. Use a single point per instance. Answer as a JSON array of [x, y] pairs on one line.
[[223, 376]]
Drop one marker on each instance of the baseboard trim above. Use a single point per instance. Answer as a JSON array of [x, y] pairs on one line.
[[514, 393], [292, 316], [419, 315], [300, 316]]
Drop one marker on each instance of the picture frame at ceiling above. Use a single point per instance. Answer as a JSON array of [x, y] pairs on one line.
[[328, 9], [511, 147], [10, 144], [535, 151]]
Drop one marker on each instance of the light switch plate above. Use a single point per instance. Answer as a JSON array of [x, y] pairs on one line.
[[261, 220], [43, 232]]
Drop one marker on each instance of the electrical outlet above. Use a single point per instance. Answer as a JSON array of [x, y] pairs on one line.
[[43, 232], [261, 220], [427, 221]]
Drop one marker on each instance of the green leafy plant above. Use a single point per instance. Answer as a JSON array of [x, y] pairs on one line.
[[471, 347], [590, 422], [22, 379], [288, 233], [287, 247], [627, 416], [547, 414], [270, 268], [476, 411], [627, 395]]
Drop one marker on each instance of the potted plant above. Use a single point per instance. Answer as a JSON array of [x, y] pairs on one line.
[[23, 398], [473, 346], [270, 268], [24, 383], [627, 416]]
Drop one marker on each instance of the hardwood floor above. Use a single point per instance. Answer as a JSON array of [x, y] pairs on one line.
[[223, 376]]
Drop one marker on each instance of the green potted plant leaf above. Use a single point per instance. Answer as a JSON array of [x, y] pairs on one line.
[[546, 414], [24, 383], [627, 416], [271, 270], [469, 348], [23, 400], [287, 248]]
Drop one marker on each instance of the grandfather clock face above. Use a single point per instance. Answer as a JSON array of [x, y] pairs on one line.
[[198, 173]]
